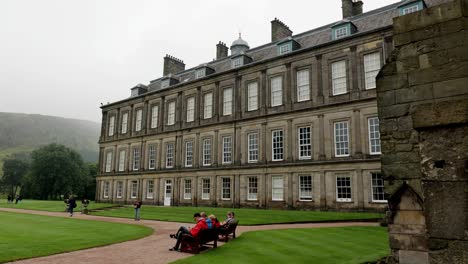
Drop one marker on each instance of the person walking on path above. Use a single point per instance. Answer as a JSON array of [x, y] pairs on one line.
[[71, 205], [137, 206]]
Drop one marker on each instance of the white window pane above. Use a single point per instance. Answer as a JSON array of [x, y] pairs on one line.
[[341, 32], [206, 187], [154, 116], [122, 154], [277, 188], [339, 77], [191, 109], [378, 188], [208, 105], [343, 188], [226, 189], [305, 143], [152, 157], [371, 69], [303, 89], [374, 135], [227, 150], [111, 126], [138, 119], [189, 154], [170, 155], [341, 139], [136, 159], [305, 188], [276, 91], [187, 189], [108, 161], [252, 96], [252, 188], [277, 145], [227, 101], [124, 123], [171, 113], [252, 147], [206, 152]]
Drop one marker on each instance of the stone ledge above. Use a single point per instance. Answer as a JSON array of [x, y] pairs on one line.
[[440, 113]]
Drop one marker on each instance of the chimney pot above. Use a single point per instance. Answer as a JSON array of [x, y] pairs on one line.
[[351, 8]]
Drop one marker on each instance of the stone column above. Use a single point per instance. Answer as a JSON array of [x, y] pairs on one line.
[[357, 152], [289, 140], [197, 152], [323, 190], [162, 114], [318, 76], [288, 89], [159, 164], [237, 98], [353, 62], [262, 93], [263, 144], [215, 155], [238, 149]]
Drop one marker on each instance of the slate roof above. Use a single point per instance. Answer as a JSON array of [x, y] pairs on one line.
[[366, 22]]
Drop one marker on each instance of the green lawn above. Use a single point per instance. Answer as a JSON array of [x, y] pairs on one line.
[[50, 206], [245, 216], [344, 245], [26, 236]]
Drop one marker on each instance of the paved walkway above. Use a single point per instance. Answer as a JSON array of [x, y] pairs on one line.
[[149, 250]]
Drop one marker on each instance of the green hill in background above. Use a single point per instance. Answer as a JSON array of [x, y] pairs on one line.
[[22, 133]]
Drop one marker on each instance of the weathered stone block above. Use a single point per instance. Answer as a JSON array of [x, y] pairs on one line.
[[413, 257], [392, 82], [437, 74], [388, 125], [451, 88], [403, 171], [455, 252], [407, 64], [445, 205], [409, 217], [394, 111], [407, 229], [440, 113], [403, 147], [386, 98], [414, 94]]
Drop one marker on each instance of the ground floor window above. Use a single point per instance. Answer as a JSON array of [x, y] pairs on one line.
[[378, 194], [187, 189], [343, 188], [277, 191], [305, 188], [119, 189], [252, 189], [105, 192], [226, 189], [150, 189], [134, 189], [206, 189]]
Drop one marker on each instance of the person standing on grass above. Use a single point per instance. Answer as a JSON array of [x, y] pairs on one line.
[[137, 206], [10, 198], [71, 205]]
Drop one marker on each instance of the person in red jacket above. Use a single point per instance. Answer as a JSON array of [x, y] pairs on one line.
[[201, 224]]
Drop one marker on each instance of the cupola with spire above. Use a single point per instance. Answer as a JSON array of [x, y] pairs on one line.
[[239, 46]]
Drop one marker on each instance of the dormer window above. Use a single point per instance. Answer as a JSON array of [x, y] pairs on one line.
[[288, 45], [283, 49], [237, 62], [165, 83], [134, 92], [240, 60], [203, 71], [343, 29], [411, 6], [200, 73], [341, 32]]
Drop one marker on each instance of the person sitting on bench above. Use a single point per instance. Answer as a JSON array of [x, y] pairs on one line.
[[230, 219], [193, 232], [214, 221]]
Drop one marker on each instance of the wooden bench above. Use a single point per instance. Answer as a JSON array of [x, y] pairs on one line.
[[229, 230], [206, 237]]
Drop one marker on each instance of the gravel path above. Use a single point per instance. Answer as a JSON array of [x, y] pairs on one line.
[[149, 250]]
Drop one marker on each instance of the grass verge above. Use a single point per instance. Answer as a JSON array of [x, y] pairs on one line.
[[26, 236], [245, 216], [344, 245], [50, 206]]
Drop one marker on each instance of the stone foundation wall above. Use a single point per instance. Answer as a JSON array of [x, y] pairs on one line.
[[423, 112]]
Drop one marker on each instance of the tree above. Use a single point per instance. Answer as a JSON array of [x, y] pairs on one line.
[[56, 170], [89, 187], [14, 170]]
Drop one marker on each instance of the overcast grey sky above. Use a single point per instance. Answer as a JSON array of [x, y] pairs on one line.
[[63, 57]]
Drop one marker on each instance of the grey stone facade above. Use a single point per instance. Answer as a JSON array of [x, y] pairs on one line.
[[315, 182], [423, 109]]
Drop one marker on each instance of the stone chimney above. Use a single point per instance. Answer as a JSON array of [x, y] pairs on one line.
[[221, 50], [172, 65], [351, 8], [279, 30]]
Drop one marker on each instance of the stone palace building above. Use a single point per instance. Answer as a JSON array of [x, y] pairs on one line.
[[289, 124]]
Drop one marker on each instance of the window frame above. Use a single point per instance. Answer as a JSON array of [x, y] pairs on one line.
[[300, 145], [200, 73], [341, 32], [251, 150], [108, 165], [154, 116], [250, 98], [279, 147], [124, 125], [305, 185], [227, 104], [285, 48], [372, 72], [111, 127], [187, 143], [148, 184], [371, 139], [227, 149], [224, 188], [350, 187], [334, 79], [133, 189], [169, 158], [187, 189], [165, 83], [207, 152], [251, 195], [136, 159], [122, 158], [382, 186], [237, 62], [190, 111], [208, 108], [171, 113], [106, 189], [277, 94], [348, 142], [302, 86], [204, 188], [138, 120], [152, 157], [273, 188], [119, 189]]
